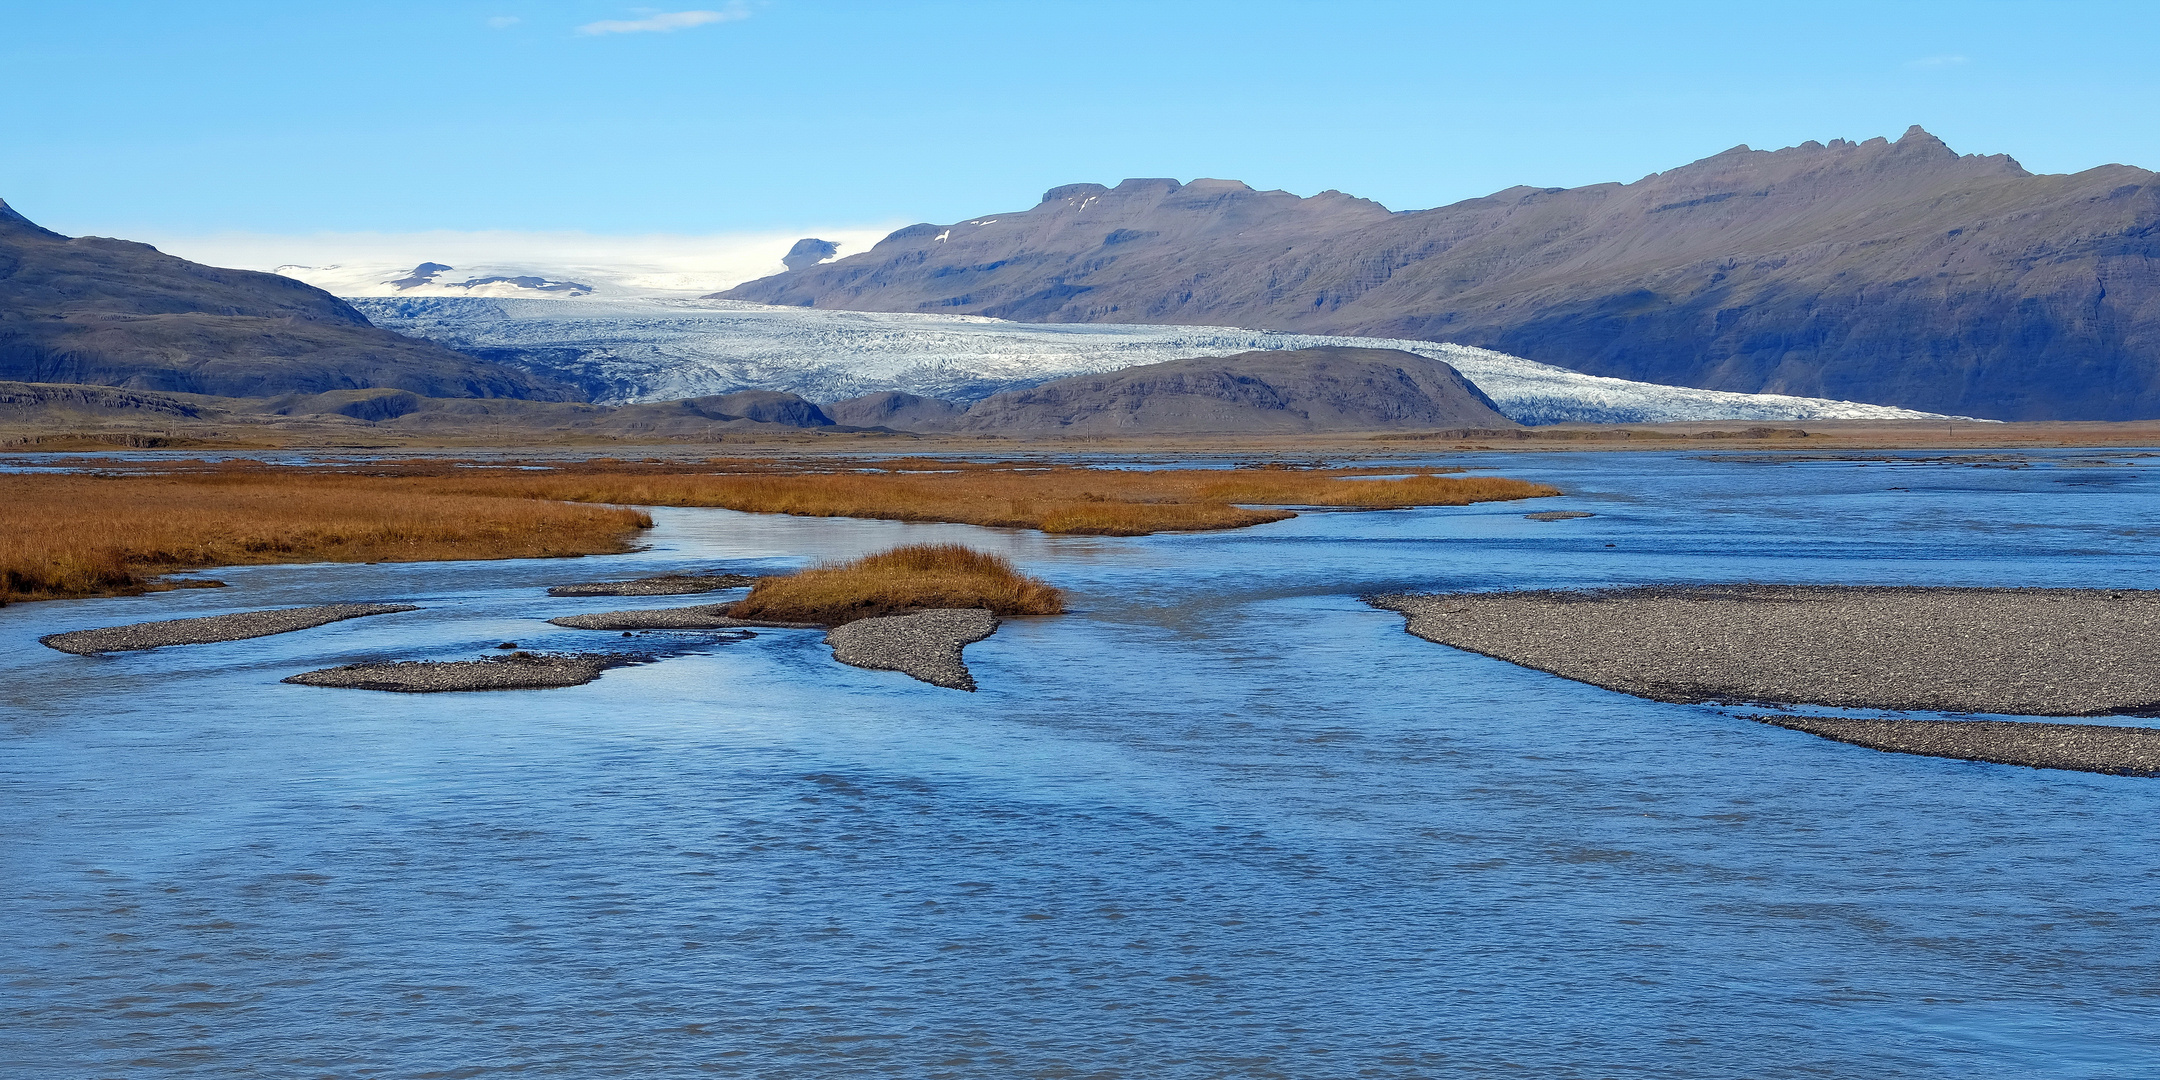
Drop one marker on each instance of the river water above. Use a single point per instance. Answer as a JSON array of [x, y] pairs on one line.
[[1222, 820]]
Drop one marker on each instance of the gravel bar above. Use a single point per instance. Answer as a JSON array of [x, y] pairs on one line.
[[2119, 751], [1559, 515], [518, 671], [925, 644], [215, 628], [700, 617], [662, 585], [2029, 652]]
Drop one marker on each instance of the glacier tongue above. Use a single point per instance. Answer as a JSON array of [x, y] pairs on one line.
[[659, 350]]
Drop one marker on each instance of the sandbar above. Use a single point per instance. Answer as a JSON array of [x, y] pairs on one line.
[[211, 629], [925, 644], [518, 671], [2028, 652], [658, 585], [695, 617]]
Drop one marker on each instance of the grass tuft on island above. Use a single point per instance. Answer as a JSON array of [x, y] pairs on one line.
[[917, 577]]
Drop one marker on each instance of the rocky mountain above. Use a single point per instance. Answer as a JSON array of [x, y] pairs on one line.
[[760, 406], [809, 251], [114, 313], [1283, 391], [1900, 273]]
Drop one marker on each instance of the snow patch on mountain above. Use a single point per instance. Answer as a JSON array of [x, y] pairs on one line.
[[661, 350]]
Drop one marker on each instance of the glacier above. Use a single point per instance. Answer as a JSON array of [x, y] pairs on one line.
[[648, 349]]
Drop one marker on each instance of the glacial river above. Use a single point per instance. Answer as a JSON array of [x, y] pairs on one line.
[[1222, 820]]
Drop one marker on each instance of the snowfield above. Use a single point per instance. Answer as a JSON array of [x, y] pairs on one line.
[[661, 350]]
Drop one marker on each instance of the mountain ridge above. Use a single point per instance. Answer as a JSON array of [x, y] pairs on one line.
[[1896, 272], [99, 311]]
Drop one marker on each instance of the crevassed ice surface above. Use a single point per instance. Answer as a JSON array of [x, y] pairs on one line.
[[661, 350], [1220, 820]]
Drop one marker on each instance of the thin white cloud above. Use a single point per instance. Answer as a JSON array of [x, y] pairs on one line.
[[665, 22], [500, 22], [1938, 62]]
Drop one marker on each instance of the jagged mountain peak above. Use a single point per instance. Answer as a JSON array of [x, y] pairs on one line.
[[1915, 153], [1075, 217], [1917, 134]]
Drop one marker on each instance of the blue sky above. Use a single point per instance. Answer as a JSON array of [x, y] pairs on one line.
[[790, 115]]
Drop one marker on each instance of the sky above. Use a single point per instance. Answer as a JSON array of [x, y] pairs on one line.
[[250, 123]]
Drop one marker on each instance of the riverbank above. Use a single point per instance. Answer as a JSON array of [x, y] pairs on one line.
[[2100, 748]]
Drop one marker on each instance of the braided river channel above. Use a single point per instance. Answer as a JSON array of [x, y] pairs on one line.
[[1221, 820]]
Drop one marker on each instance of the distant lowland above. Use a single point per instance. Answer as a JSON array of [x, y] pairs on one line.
[[1875, 280]]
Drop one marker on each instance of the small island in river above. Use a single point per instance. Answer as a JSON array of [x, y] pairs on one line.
[[2021, 652]]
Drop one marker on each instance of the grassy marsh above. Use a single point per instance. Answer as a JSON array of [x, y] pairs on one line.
[[1055, 499], [112, 532], [103, 535]]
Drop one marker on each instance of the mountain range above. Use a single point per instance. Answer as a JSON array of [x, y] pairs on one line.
[[88, 311], [1901, 273]]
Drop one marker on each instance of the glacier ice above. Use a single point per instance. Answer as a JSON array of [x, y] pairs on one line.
[[636, 350]]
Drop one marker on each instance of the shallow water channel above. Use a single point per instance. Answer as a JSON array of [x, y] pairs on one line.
[[1222, 820]]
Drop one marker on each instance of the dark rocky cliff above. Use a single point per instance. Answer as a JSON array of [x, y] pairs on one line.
[[1893, 272], [115, 313]]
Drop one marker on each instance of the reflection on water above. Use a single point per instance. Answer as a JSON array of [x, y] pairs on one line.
[[1222, 820]]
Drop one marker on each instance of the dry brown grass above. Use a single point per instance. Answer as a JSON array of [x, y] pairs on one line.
[[76, 535], [1064, 499], [912, 578]]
